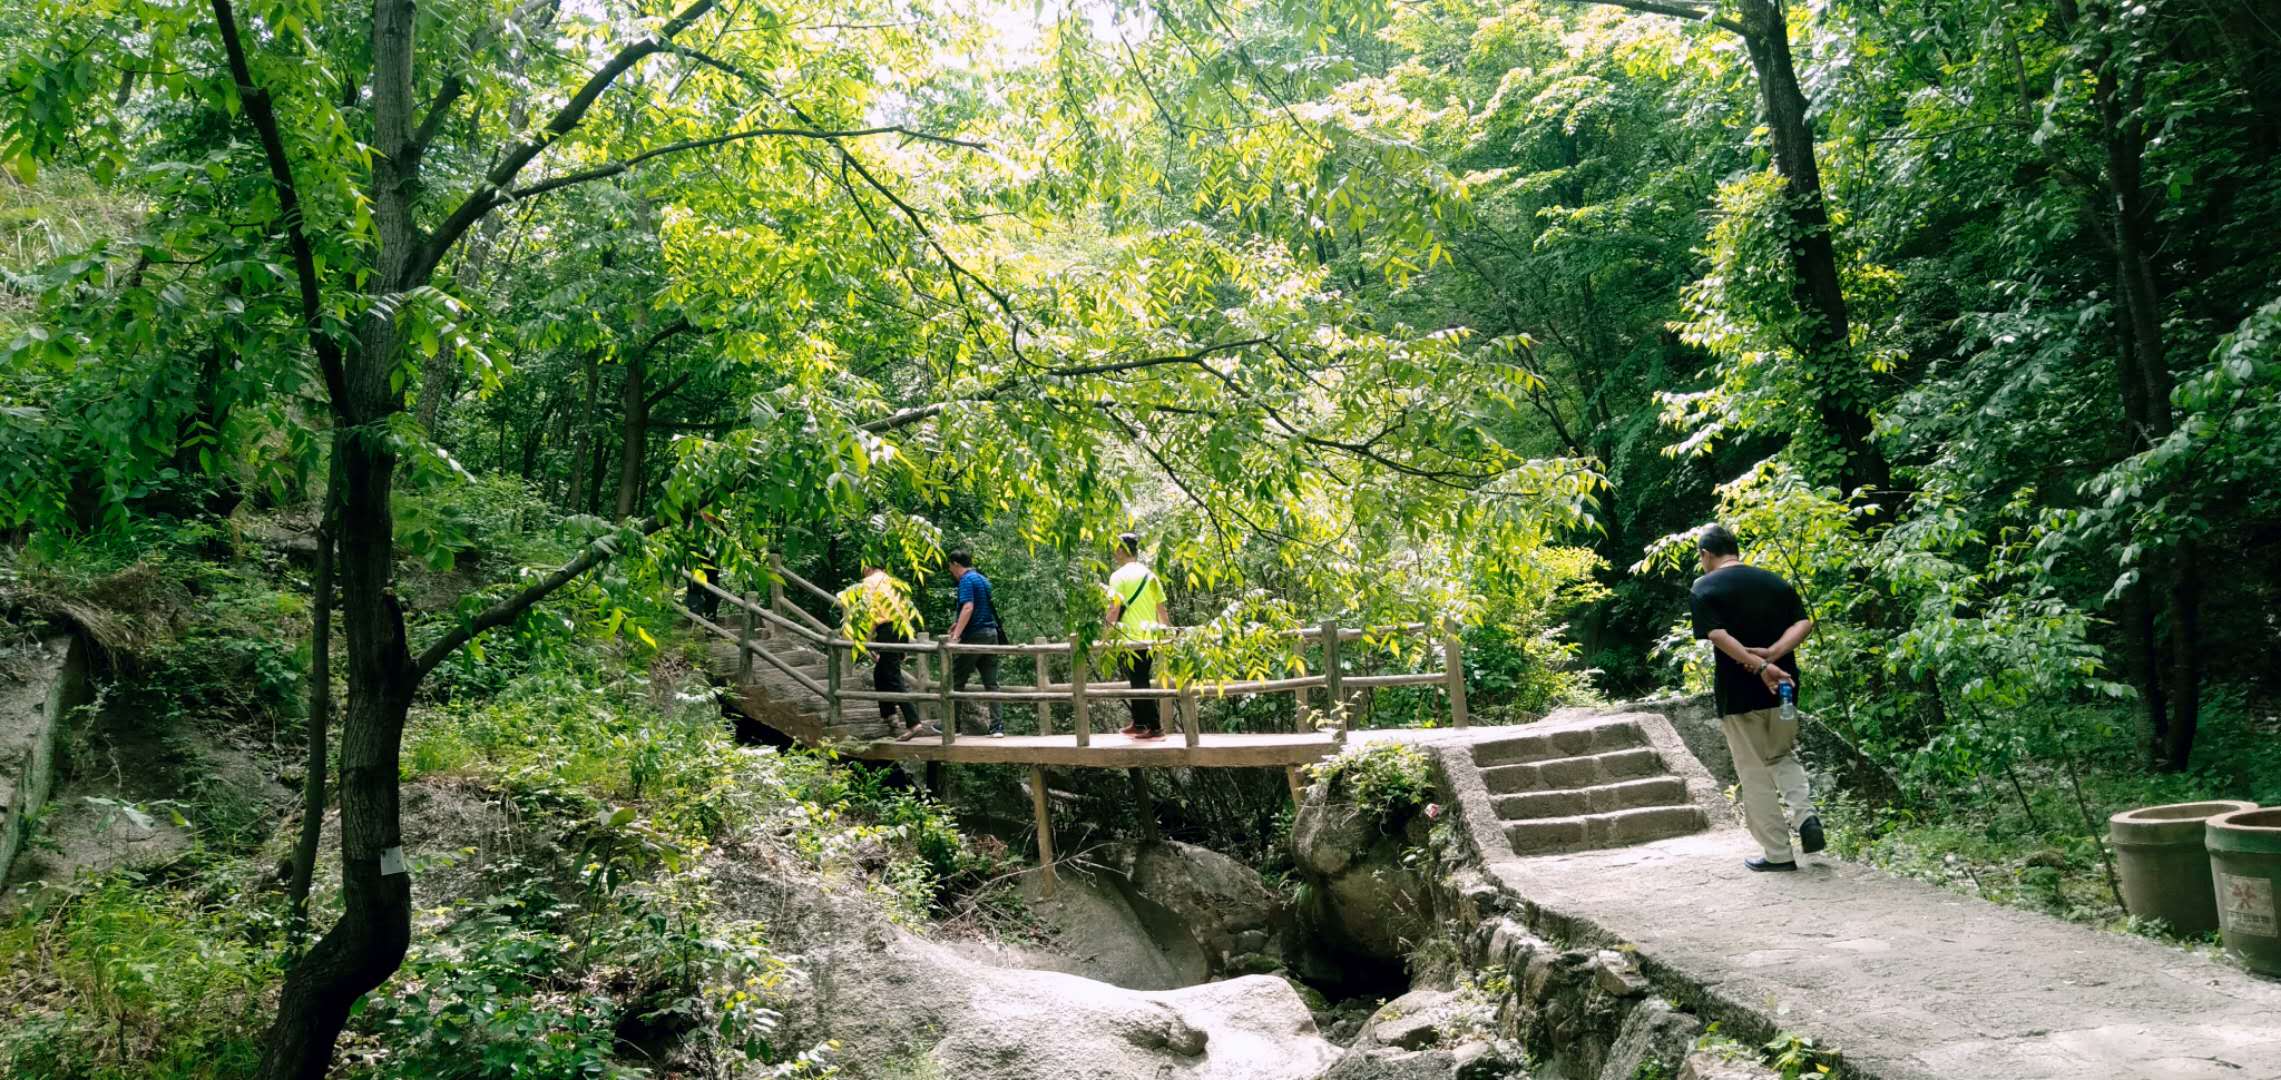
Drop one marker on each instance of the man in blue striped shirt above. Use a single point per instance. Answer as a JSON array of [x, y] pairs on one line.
[[976, 624]]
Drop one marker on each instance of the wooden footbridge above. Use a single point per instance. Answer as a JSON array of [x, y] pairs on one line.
[[795, 672]]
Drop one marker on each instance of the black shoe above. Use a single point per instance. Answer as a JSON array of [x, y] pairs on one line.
[[1769, 866], [1810, 838]]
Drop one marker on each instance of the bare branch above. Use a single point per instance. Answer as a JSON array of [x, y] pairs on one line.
[[615, 168], [507, 610], [1677, 9]]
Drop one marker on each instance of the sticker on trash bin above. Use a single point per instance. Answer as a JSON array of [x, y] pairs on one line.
[[2248, 905]]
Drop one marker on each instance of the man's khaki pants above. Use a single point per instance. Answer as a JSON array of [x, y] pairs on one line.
[[1762, 743]]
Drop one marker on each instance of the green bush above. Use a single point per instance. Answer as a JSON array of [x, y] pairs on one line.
[[1389, 782]]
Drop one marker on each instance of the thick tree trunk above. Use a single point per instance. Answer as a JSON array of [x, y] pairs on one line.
[[2142, 639], [367, 944], [1819, 291], [2133, 216]]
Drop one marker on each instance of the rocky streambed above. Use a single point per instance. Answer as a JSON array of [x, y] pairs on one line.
[[1169, 960]]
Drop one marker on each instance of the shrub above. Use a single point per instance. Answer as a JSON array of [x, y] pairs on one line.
[[1387, 781]]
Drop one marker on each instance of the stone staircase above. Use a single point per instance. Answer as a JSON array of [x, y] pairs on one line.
[[1584, 787], [775, 699]]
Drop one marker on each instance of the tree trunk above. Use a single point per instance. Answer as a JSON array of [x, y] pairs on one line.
[[2133, 215], [1815, 284], [582, 439], [600, 466], [368, 942], [534, 438], [2142, 639], [320, 711], [633, 437]]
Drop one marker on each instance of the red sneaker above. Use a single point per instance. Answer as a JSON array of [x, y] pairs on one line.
[[1131, 730], [1147, 733]]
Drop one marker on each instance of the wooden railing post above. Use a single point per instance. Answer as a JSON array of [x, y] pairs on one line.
[[1332, 678], [1080, 714], [1045, 676], [833, 655], [744, 644], [949, 707], [1188, 714], [1453, 658], [776, 585], [920, 681], [1300, 695]]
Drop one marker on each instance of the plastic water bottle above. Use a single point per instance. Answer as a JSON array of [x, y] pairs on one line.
[[1788, 691]]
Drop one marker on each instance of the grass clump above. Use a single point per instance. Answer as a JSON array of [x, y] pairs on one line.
[[125, 978]]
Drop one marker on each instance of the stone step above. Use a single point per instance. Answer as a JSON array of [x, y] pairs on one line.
[[1597, 799], [1588, 770], [1569, 742], [1546, 836]]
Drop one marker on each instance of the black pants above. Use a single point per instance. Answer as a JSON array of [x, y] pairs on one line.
[[964, 666], [1140, 667], [887, 676]]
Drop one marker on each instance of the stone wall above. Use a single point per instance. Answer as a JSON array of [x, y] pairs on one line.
[[41, 683]]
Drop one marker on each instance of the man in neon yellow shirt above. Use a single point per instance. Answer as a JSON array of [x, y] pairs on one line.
[[1136, 619]]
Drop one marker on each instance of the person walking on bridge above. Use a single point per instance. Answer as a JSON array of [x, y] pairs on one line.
[[1755, 620], [883, 604], [976, 624], [1136, 618]]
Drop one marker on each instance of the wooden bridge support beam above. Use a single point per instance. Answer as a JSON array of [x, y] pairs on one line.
[[1045, 828], [1333, 678], [1144, 804]]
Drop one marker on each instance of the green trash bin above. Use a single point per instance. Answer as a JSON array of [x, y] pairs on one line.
[[2164, 867], [2245, 865]]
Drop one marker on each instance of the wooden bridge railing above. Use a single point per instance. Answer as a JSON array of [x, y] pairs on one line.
[[936, 690]]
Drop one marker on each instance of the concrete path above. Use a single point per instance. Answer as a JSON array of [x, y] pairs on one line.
[[1907, 981]]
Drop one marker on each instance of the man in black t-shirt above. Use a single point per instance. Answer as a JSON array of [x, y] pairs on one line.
[[1754, 619]]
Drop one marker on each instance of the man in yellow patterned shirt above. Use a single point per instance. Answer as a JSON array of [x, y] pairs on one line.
[[879, 610]]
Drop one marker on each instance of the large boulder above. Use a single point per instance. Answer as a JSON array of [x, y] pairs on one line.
[[1098, 927], [1225, 907], [1365, 908], [899, 1004]]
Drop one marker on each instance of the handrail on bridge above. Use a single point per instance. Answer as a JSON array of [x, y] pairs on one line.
[[1078, 693]]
